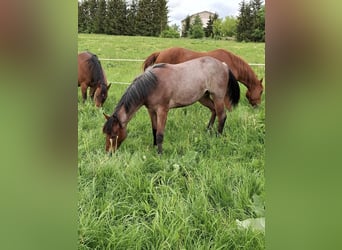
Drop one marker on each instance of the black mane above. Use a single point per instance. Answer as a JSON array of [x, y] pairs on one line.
[[137, 92], [96, 69]]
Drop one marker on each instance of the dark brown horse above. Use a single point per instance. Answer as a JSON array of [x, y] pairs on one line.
[[241, 69], [91, 74], [165, 86]]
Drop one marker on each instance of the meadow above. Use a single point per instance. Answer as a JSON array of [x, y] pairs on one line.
[[191, 196]]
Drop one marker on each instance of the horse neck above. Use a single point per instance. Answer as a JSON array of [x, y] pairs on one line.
[[245, 74], [125, 116]]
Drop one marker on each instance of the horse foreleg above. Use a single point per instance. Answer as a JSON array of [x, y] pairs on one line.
[[206, 101], [153, 117], [92, 92], [161, 122], [84, 91]]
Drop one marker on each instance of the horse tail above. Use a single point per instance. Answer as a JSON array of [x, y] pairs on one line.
[[150, 60], [233, 90]]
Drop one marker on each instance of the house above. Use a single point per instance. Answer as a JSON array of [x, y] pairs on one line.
[[204, 15]]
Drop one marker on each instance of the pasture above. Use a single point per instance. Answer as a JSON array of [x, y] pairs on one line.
[[192, 195]]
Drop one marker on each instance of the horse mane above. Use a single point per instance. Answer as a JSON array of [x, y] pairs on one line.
[[137, 92], [96, 69], [245, 71], [150, 60]]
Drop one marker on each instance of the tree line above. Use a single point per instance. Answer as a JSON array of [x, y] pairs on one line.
[[118, 17], [150, 18]]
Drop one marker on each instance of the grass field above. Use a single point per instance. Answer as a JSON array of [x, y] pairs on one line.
[[192, 195]]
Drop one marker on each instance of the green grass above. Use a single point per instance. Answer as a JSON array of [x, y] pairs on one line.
[[191, 196], [125, 47]]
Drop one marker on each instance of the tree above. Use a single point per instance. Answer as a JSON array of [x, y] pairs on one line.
[[82, 16], [208, 30], [244, 25], [251, 21], [186, 28], [116, 17], [131, 18], [99, 20], [141, 17], [259, 25], [217, 29], [159, 17], [92, 7], [151, 17], [196, 29], [229, 26], [170, 32]]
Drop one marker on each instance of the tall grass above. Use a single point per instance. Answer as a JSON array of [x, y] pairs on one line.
[[191, 196]]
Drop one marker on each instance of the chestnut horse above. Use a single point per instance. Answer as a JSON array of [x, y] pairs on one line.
[[241, 69], [165, 86], [91, 74]]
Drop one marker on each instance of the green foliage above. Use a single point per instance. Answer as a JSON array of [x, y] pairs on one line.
[[251, 21], [186, 28], [100, 17], [228, 27], [192, 195], [170, 32], [116, 17], [131, 24], [196, 28], [217, 29], [209, 32]]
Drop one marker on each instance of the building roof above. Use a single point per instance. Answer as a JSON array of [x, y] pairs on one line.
[[199, 13]]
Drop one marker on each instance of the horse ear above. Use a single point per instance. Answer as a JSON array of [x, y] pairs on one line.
[[261, 80], [109, 86], [106, 116]]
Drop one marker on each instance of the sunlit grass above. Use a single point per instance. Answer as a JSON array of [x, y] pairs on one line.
[[191, 196]]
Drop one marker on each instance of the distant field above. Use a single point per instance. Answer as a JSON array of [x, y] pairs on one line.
[[192, 195], [124, 47]]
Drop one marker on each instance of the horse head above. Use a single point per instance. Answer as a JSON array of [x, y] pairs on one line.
[[101, 94], [115, 133], [254, 93]]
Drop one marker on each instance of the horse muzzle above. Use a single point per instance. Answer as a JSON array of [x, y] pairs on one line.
[[113, 148]]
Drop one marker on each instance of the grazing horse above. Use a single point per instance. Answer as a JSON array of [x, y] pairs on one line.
[[165, 86], [241, 69], [91, 74]]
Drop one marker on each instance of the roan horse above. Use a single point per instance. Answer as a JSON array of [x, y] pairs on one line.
[[91, 74], [241, 69], [165, 86]]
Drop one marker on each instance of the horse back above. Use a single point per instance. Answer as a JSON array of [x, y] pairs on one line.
[[83, 69], [185, 83]]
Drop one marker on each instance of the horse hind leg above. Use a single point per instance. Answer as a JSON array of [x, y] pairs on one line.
[[207, 102], [221, 115], [227, 103], [161, 122]]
